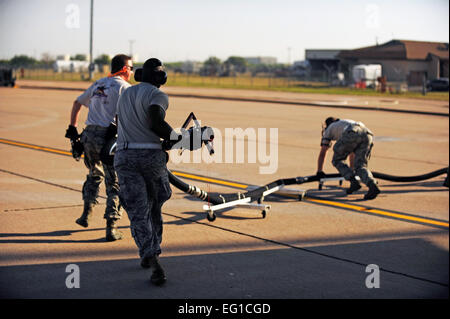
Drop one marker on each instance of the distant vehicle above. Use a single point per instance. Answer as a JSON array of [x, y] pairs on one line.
[[7, 77], [438, 85], [367, 74]]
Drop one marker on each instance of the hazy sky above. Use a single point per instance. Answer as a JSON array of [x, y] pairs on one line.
[[177, 30]]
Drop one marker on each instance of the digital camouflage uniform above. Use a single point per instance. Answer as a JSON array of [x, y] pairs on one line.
[[144, 187], [351, 137], [101, 100], [140, 164], [358, 140], [93, 139]]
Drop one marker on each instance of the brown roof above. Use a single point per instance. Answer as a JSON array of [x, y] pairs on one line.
[[400, 49]]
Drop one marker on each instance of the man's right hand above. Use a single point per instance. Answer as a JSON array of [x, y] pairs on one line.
[[72, 133]]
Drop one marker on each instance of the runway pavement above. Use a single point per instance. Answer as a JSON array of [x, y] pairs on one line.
[[317, 248]]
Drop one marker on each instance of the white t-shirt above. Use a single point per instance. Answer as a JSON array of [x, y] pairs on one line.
[[133, 110], [101, 99], [334, 130]]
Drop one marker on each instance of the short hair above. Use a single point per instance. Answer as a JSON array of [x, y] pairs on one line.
[[118, 62], [330, 120]]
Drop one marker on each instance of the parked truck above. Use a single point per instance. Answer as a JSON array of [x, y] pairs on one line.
[[7, 77]]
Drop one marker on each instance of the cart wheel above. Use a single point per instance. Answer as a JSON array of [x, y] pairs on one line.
[[211, 216], [263, 213], [300, 197], [320, 186]]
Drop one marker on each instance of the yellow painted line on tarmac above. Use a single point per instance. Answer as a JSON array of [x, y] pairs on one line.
[[380, 212], [244, 186], [36, 147], [211, 180]]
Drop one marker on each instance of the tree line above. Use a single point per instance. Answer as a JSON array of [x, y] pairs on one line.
[[213, 66], [47, 60]]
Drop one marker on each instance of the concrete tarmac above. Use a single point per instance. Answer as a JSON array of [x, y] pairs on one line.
[[306, 249]]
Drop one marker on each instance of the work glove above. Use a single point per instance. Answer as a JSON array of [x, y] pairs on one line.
[[72, 133]]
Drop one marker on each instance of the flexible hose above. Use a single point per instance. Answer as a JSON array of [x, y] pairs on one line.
[[410, 178], [216, 198]]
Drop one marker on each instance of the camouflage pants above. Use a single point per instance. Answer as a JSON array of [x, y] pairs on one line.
[[93, 139], [144, 187], [358, 140]]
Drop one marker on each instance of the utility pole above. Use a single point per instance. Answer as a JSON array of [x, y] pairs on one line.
[[131, 48], [289, 55], [91, 64]]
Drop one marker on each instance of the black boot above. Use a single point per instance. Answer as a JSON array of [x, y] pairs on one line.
[[145, 262], [354, 186], [373, 191], [112, 232], [86, 216], [158, 276]]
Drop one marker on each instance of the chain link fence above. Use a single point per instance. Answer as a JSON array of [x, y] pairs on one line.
[[180, 79]]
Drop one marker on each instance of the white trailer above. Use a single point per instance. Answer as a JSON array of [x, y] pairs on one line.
[[71, 66], [367, 73]]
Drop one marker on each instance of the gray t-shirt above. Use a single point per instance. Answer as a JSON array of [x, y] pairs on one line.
[[133, 110], [101, 99], [334, 131]]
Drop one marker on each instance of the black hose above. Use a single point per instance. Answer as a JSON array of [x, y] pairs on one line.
[[216, 198], [410, 178]]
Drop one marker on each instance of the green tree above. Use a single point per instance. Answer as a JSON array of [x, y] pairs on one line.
[[212, 66], [235, 64], [22, 60], [103, 59], [79, 57]]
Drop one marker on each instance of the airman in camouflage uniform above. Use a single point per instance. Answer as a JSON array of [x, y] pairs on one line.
[[101, 99], [355, 139], [140, 162]]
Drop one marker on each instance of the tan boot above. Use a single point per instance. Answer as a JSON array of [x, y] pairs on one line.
[[86, 216], [112, 232]]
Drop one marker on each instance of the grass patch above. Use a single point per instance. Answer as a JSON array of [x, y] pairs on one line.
[[244, 83]]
